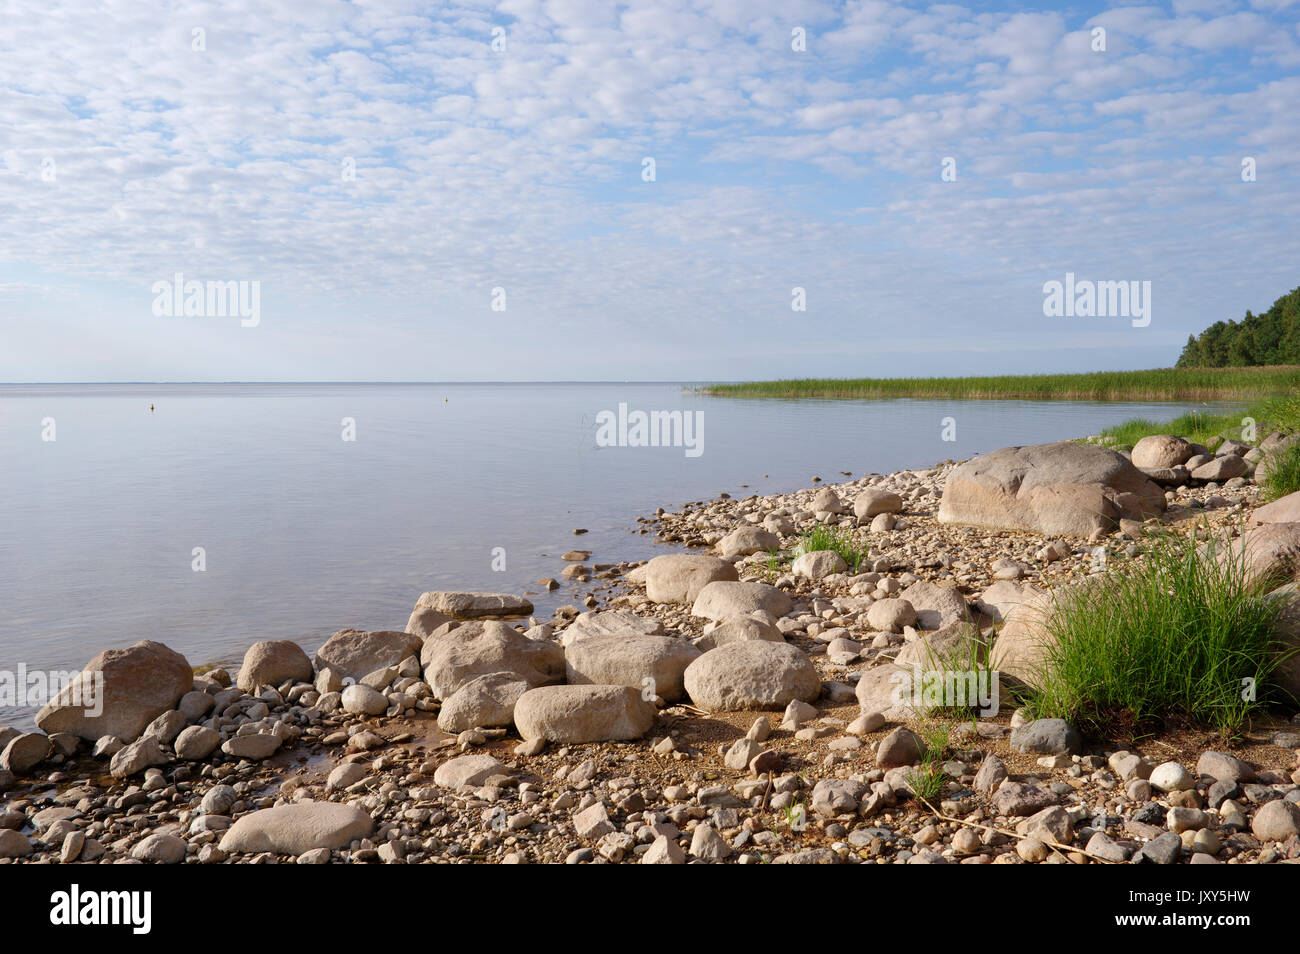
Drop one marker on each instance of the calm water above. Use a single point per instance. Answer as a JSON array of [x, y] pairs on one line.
[[305, 533]]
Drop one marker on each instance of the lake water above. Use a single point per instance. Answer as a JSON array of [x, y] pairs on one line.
[[304, 533]]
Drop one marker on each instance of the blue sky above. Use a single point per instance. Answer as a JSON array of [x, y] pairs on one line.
[[127, 155]]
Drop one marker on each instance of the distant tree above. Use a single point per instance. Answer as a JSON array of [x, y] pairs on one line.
[[1270, 338]]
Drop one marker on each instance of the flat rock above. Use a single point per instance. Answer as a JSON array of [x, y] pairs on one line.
[[298, 828], [488, 646], [459, 605], [631, 661], [468, 770], [354, 653]]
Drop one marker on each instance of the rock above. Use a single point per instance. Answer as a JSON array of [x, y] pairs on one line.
[[837, 796], [1161, 851], [362, 700], [873, 501], [826, 501], [195, 705], [957, 647], [218, 800], [1032, 851], [1180, 820], [255, 747], [746, 539], [818, 564], [471, 770], [13, 844], [1224, 768], [679, 577], [741, 753], [483, 702], [886, 689], [271, 662], [1047, 737], [1269, 551], [867, 723], [197, 742], [484, 647], [991, 774], [1062, 488], [721, 599], [891, 615], [576, 714], [593, 822], [136, 757], [900, 747], [999, 599], [425, 620], [352, 653], [474, 605], [630, 661], [161, 848], [140, 683], [1048, 825], [25, 752], [1161, 450], [298, 828], [1283, 510], [738, 629], [1286, 676], [610, 623], [1024, 644], [936, 606], [1021, 798], [664, 851], [166, 727], [1277, 820], [1221, 469], [708, 845], [1167, 476], [1171, 777], [1106, 848], [751, 675]]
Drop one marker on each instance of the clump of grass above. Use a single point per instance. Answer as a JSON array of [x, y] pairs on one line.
[[1283, 474], [928, 777], [1183, 634], [839, 541]]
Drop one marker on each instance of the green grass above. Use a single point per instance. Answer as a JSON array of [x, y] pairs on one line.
[[1161, 384], [928, 777], [1174, 635], [840, 541], [1268, 414], [1283, 476]]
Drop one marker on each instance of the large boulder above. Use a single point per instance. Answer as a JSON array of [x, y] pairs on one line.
[[1221, 468], [1064, 488], [1286, 676], [719, 600], [936, 605], [679, 577], [271, 662], [140, 683], [1283, 510], [1000, 598], [483, 702], [24, 752], [1269, 552], [630, 661], [459, 605], [575, 714], [752, 675], [1161, 451], [487, 646], [746, 539], [605, 623], [958, 645], [353, 653], [1024, 643], [297, 828]]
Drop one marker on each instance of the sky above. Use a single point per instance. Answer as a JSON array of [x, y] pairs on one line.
[[462, 191]]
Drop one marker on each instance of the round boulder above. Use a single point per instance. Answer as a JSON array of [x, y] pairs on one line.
[[752, 675]]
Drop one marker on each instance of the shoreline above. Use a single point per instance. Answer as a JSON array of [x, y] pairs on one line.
[[683, 778]]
